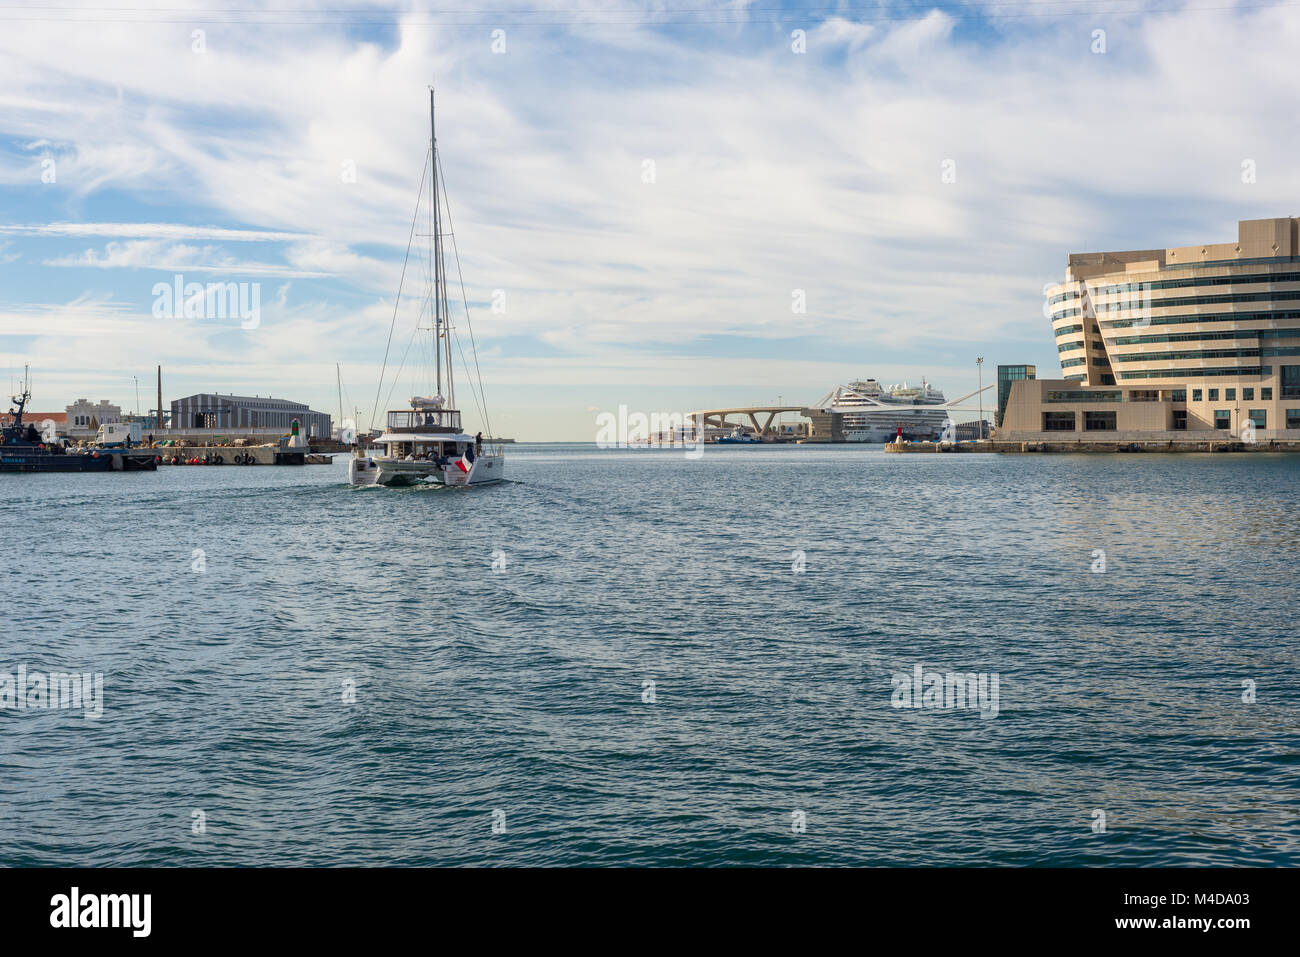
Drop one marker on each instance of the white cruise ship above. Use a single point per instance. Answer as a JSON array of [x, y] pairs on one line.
[[875, 413]]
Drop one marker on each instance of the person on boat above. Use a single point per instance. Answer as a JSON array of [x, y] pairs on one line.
[[478, 444]]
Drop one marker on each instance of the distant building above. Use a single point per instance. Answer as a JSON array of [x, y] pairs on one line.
[[1006, 376], [1163, 343], [147, 422], [84, 419], [235, 413], [969, 431], [39, 419], [824, 425]]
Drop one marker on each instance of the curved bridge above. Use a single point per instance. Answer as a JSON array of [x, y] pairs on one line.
[[717, 418]]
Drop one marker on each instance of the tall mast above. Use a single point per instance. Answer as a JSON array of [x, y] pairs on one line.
[[437, 247]]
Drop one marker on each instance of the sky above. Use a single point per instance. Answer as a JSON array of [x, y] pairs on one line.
[[642, 194]]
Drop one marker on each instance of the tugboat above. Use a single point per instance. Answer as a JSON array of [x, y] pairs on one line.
[[738, 436], [428, 441], [24, 449]]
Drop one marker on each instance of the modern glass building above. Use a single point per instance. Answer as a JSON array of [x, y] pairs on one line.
[[1205, 337], [1006, 376]]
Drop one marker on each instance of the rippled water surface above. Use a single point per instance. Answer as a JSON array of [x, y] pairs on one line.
[[521, 690]]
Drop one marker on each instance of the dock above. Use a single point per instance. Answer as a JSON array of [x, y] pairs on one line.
[[237, 455], [1002, 447]]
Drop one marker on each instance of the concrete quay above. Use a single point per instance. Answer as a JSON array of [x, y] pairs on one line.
[[237, 455], [1077, 446]]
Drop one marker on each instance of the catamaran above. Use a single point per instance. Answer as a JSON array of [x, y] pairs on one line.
[[427, 441]]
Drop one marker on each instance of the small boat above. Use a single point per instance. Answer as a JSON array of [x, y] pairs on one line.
[[737, 437], [24, 449], [427, 441]]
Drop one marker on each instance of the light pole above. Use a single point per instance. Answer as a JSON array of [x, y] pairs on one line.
[[979, 371]]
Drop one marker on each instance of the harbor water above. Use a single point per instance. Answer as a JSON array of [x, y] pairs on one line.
[[632, 657]]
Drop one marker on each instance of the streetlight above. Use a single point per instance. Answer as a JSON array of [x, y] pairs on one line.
[[979, 370]]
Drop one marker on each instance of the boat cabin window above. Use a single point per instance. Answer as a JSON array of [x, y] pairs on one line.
[[424, 419]]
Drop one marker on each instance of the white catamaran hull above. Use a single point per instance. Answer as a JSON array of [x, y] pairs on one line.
[[378, 470], [486, 470]]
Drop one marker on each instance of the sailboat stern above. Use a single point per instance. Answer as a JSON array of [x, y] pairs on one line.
[[486, 469]]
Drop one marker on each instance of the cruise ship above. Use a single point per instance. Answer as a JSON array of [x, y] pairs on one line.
[[875, 413]]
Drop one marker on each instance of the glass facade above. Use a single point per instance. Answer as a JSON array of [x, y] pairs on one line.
[[1289, 333], [1290, 382], [1208, 317], [1058, 421], [1008, 375], [1099, 421], [1084, 395], [1103, 289], [1196, 373]]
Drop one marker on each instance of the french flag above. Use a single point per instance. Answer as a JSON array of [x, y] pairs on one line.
[[464, 464]]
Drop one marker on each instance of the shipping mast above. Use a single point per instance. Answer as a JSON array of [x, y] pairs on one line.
[[441, 319], [436, 249]]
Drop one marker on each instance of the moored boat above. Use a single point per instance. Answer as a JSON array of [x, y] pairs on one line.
[[24, 449], [871, 412], [737, 436]]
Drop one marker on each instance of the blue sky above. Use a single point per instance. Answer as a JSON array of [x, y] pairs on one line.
[[774, 171]]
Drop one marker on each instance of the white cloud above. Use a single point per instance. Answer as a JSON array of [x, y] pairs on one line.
[[172, 231], [154, 254], [774, 172]]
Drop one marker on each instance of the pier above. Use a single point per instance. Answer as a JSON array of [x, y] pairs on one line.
[[238, 455], [1186, 445]]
